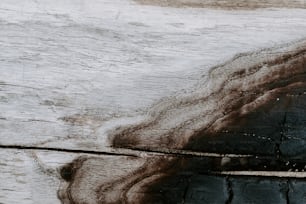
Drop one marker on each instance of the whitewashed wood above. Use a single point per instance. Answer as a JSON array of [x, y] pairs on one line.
[[227, 4], [74, 71], [30, 176]]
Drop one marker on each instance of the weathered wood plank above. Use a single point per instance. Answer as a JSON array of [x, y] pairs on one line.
[[74, 72], [120, 102], [227, 4], [30, 176], [33, 176]]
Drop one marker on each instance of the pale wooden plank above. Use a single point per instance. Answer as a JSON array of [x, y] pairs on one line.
[[32, 176], [79, 78], [74, 72], [28, 178], [227, 4]]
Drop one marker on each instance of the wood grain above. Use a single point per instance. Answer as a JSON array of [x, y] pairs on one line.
[[227, 4], [120, 101]]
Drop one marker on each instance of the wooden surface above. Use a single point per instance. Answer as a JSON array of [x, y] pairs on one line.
[[227, 4], [119, 101]]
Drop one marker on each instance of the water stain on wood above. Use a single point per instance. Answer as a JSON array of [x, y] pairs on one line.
[[254, 104]]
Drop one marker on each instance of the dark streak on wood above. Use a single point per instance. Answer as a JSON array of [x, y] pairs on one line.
[[229, 191], [76, 151], [225, 4]]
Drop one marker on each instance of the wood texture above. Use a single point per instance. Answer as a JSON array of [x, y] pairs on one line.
[[227, 4], [152, 101]]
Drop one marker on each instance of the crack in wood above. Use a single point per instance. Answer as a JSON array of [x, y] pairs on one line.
[[230, 192], [131, 151], [217, 158], [77, 151], [276, 174], [287, 192], [179, 152], [278, 143]]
